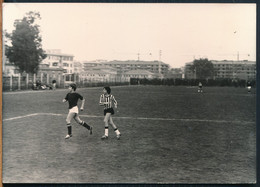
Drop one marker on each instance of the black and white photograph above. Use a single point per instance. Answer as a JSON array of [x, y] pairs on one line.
[[136, 93]]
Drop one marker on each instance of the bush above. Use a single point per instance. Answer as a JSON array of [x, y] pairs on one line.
[[191, 82]]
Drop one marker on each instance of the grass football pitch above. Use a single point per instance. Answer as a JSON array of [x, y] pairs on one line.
[[169, 135]]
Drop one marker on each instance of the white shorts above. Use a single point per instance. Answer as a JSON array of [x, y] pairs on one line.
[[75, 109], [249, 87]]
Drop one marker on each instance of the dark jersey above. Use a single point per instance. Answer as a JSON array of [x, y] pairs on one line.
[[73, 98]]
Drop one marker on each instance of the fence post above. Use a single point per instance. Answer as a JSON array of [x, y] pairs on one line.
[[27, 80], [48, 77], [34, 78], [19, 81], [11, 82], [41, 76], [59, 80], [64, 79]]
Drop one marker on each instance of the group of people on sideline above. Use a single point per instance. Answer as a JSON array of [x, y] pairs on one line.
[[248, 86]]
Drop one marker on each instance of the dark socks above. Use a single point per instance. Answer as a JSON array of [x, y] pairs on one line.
[[84, 124], [69, 129]]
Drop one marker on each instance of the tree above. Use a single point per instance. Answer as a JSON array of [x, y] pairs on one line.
[[202, 68], [25, 50]]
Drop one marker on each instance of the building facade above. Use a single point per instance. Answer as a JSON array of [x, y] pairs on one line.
[[140, 74], [56, 59], [9, 69], [174, 73], [155, 67], [244, 70], [78, 67]]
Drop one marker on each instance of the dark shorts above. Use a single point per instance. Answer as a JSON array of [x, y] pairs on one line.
[[109, 110]]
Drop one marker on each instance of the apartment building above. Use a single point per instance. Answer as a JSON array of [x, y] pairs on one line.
[[151, 66], [244, 70], [56, 59]]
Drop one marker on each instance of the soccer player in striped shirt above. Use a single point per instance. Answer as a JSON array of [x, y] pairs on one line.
[[72, 97], [107, 100]]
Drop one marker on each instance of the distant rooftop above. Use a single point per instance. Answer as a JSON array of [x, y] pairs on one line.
[[232, 62], [229, 62], [133, 62], [139, 72], [57, 52]]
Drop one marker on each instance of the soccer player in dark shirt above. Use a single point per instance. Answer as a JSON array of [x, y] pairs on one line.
[[200, 87], [54, 84], [72, 97], [107, 100]]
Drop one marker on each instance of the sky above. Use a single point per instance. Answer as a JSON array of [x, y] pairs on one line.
[[173, 33]]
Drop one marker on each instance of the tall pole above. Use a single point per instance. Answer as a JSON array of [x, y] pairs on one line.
[[238, 56], [19, 81], [160, 55], [11, 82], [27, 80]]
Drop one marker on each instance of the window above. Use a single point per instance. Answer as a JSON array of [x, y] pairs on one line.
[[55, 64]]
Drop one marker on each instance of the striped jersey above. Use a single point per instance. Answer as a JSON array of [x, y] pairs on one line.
[[109, 99]]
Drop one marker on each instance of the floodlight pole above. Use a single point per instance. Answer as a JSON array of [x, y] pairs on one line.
[[160, 55]]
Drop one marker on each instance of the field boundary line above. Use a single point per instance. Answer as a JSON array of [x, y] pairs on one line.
[[19, 117], [138, 118]]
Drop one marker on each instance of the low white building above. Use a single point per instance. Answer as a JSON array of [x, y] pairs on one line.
[[141, 74]]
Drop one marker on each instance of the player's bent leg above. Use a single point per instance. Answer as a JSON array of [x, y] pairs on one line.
[[69, 131], [83, 123], [106, 119], [70, 116], [118, 134], [68, 120]]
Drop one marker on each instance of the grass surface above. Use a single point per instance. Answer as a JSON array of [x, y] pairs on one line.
[[169, 135]]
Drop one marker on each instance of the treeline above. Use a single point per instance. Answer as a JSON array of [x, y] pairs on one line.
[[191, 82]]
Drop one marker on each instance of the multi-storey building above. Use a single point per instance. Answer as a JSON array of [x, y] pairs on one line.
[[188, 74], [141, 74], [78, 67], [155, 67], [99, 72], [9, 69], [56, 59], [175, 73], [245, 70], [88, 65]]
